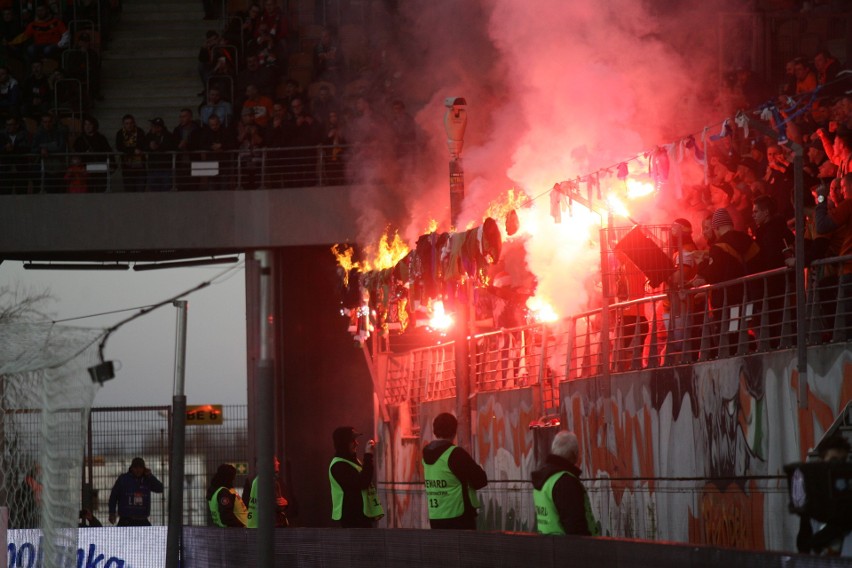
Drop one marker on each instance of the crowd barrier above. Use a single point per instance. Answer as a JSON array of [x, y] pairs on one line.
[[144, 547]]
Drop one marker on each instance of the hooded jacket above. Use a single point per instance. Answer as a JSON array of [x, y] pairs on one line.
[[462, 466], [568, 493]]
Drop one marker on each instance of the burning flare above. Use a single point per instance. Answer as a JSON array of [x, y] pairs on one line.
[[440, 320], [541, 311]]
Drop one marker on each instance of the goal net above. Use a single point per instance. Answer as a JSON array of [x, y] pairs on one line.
[[45, 397]]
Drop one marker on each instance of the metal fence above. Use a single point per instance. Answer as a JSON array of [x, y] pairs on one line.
[[246, 169], [753, 314], [118, 434]]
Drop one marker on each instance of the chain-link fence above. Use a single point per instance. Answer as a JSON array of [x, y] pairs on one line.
[[118, 434]]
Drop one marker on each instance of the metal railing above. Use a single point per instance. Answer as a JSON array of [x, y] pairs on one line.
[[241, 169], [753, 314]]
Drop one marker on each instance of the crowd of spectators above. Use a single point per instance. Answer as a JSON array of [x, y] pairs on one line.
[[747, 211], [251, 113]]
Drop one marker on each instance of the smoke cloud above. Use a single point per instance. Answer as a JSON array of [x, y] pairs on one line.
[[555, 90]]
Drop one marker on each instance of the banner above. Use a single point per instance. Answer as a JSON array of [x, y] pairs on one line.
[[108, 547]]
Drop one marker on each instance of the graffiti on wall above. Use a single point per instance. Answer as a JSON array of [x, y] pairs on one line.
[[706, 443]]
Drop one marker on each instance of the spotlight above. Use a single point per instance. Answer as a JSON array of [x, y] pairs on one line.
[[102, 372]]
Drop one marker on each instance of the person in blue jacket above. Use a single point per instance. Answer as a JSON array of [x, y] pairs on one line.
[[131, 495]]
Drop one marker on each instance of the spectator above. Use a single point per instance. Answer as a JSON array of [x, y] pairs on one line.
[[48, 33], [221, 76], [806, 80], [10, 28], [839, 220], [251, 24], [130, 498], [226, 507], [35, 91], [334, 153], [354, 501], [302, 136], [214, 143], [260, 105], [451, 478], [775, 241], [249, 141], [15, 145], [216, 105], [276, 138], [254, 74], [779, 180], [731, 256], [94, 148], [841, 153], [561, 502], [130, 143], [183, 134], [328, 59], [76, 176], [275, 22], [324, 103], [50, 142], [160, 148], [10, 94], [827, 68], [285, 505]]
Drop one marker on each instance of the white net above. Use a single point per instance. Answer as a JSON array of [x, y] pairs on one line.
[[45, 397]]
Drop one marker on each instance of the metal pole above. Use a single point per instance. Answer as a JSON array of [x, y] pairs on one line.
[[265, 419], [603, 377], [176, 469], [801, 316], [461, 352]]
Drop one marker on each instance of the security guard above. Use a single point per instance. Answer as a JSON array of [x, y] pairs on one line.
[[451, 478], [355, 503], [226, 506], [561, 502]]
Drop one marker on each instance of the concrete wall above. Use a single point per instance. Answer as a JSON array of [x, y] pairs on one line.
[[79, 226], [690, 454]]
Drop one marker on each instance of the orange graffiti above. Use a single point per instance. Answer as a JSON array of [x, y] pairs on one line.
[[633, 453], [730, 518], [495, 431], [817, 411]]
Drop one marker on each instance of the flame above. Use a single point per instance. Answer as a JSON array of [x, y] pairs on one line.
[[617, 206], [541, 311], [388, 253], [440, 320], [636, 188], [500, 207], [343, 254], [432, 227]]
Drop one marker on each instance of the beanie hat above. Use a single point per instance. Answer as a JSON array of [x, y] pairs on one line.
[[686, 225], [721, 218]]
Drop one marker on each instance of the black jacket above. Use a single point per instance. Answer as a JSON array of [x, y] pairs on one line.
[[568, 493], [353, 482]]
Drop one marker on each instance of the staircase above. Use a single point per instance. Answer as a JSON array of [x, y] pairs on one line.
[[149, 68]]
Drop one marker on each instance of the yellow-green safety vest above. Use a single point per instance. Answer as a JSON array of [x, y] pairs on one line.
[[444, 490], [372, 507], [240, 510], [546, 515]]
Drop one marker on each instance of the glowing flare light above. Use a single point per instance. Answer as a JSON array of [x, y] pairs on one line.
[[440, 320], [541, 311]]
